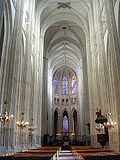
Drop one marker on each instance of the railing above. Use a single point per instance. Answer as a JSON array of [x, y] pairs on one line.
[[77, 155], [55, 156]]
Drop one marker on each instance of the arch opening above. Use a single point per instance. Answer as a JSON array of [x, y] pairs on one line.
[[65, 122], [55, 122], [75, 122]]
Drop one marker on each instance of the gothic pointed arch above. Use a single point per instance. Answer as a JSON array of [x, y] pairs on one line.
[[65, 98]]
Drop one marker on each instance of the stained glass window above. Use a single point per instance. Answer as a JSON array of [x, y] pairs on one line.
[[65, 124], [73, 84], [56, 85], [65, 85]]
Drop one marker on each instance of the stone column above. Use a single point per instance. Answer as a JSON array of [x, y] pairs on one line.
[[113, 38], [70, 125], [86, 113], [50, 103], [59, 124], [44, 100], [11, 74], [91, 67], [38, 80], [41, 48], [2, 7], [39, 99], [114, 71], [78, 125]]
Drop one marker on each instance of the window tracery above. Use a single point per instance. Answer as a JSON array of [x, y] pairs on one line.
[[65, 97], [64, 87]]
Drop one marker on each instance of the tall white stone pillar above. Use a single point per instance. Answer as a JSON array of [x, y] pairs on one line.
[[2, 7], [114, 70]]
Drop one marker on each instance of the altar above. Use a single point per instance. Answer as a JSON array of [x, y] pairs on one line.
[[65, 138]]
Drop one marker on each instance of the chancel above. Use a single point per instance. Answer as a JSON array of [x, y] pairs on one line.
[[60, 68]]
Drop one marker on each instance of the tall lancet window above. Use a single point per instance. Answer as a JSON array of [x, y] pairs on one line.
[[65, 85], [73, 84], [65, 122], [56, 85]]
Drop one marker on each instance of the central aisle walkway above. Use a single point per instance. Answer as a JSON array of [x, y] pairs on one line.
[[65, 155]]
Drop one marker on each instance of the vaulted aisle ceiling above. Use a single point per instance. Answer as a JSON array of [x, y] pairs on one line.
[[64, 26]]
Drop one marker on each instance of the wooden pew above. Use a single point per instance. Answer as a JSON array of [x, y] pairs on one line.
[[81, 147], [48, 148], [42, 153], [91, 153], [93, 150], [101, 156]]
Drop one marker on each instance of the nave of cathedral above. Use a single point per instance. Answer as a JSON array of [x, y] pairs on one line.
[[59, 75]]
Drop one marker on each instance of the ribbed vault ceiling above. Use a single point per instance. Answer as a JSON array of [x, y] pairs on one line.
[[64, 25], [64, 71]]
